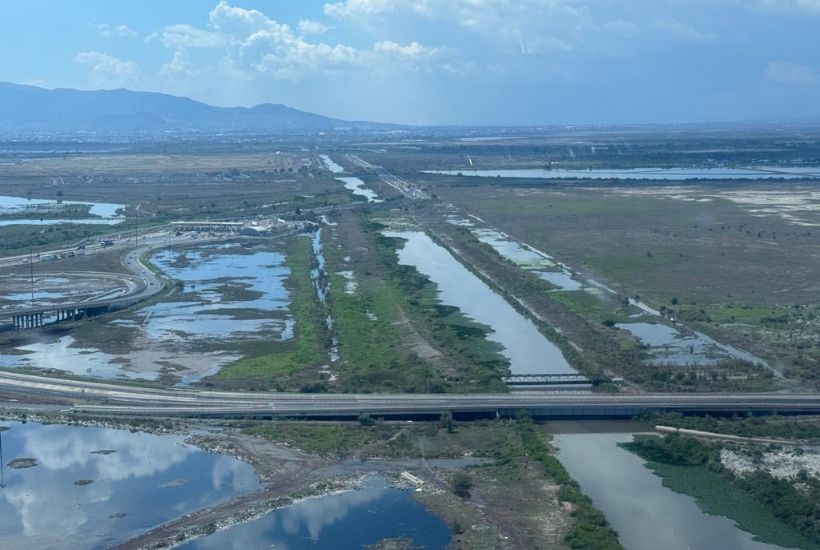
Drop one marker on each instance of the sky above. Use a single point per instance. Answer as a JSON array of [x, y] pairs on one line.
[[436, 62]]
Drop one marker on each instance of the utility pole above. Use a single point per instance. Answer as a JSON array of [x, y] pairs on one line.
[[137, 225], [31, 273], [2, 468]]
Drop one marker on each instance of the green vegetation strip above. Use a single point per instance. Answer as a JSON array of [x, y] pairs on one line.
[[371, 345], [324, 439], [590, 528], [304, 351], [776, 427], [771, 509], [478, 362]]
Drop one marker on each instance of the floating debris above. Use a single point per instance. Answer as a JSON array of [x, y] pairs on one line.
[[174, 483], [20, 463]]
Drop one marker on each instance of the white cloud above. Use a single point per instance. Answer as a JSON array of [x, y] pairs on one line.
[[257, 45], [810, 6], [414, 50], [307, 26], [110, 31], [185, 36], [787, 72], [678, 29], [530, 27], [107, 70], [240, 21], [179, 66]]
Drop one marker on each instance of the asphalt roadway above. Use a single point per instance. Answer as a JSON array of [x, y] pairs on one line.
[[142, 283], [102, 399]]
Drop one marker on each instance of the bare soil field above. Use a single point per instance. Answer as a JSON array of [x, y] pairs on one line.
[[740, 263], [142, 164]]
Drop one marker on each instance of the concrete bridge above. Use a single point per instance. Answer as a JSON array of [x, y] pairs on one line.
[[143, 284], [546, 380], [112, 400], [36, 319]]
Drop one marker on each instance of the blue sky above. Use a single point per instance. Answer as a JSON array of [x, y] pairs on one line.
[[436, 61]]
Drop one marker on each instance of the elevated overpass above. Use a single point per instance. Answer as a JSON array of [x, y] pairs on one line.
[[142, 283], [111, 400]]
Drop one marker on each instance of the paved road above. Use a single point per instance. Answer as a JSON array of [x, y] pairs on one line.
[[402, 186], [141, 284], [112, 400]]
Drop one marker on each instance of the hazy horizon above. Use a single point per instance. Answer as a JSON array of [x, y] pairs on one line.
[[436, 62]]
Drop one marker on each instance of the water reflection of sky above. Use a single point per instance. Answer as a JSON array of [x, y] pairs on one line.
[[150, 479], [356, 186], [646, 514], [106, 213], [208, 314], [331, 165], [527, 258], [528, 350], [669, 346], [346, 520], [184, 337], [668, 174]]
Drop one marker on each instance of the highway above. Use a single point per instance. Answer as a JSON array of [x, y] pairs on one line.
[[140, 284], [103, 399], [404, 187]]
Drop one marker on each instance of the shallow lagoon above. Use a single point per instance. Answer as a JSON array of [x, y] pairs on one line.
[[352, 519], [331, 165], [669, 346], [356, 186], [527, 258], [148, 480], [667, 174], [186, 336], [105, 213]]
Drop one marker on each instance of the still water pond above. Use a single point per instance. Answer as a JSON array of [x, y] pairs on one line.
[[356, 186], [544, 266], [668, 346], [353, 519], [128, 483], [668, 174], [646, 515], [102, 213], [528, 351], [231, 298], [331, 165]]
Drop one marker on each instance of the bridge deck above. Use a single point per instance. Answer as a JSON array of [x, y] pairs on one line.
[[112, 399]]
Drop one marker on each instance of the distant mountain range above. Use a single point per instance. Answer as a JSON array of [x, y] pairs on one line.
[[29, 110]]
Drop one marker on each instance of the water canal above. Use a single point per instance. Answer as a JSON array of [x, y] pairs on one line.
[[646, 515], [528, 351]]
